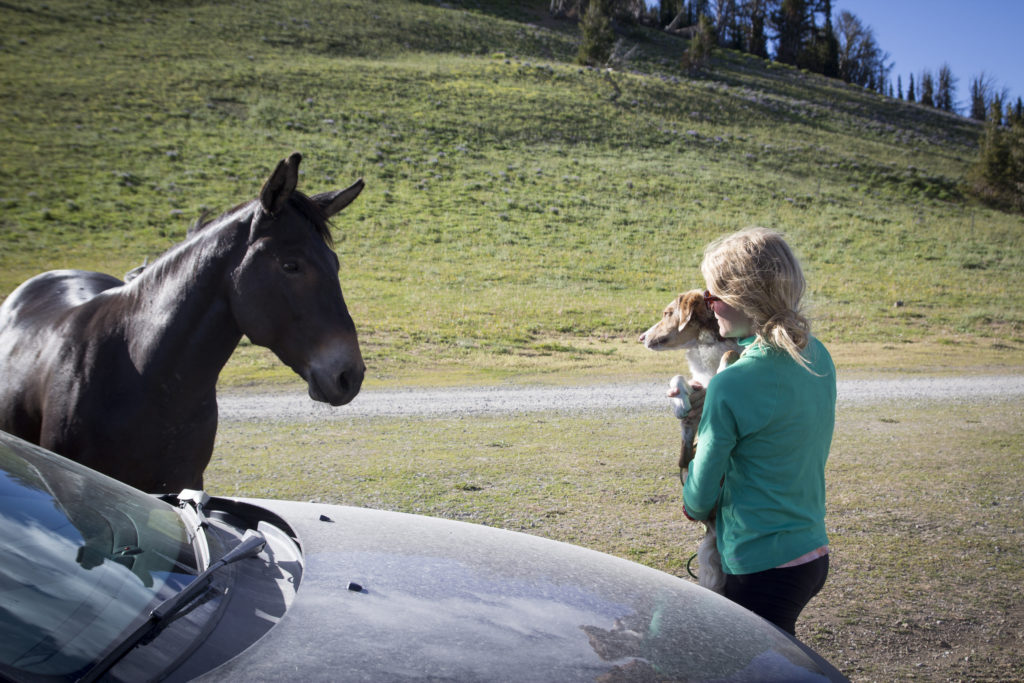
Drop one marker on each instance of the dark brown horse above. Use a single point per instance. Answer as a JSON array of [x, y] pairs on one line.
[[122, 376]]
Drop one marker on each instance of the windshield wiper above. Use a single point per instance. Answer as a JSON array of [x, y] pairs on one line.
[[250, 545]]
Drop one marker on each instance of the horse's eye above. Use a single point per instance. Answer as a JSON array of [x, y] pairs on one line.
[[290, 267]]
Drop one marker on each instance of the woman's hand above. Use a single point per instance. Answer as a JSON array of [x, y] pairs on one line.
[[694, 386], [696, 404]]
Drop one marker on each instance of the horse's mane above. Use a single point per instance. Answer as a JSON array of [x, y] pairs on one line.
[[302, 203]]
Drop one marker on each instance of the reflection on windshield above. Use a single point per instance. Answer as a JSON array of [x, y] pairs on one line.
[[83, 557]]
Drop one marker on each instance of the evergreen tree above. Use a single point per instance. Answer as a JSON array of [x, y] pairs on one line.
[[667, 11], [927, 88], [998, 175], [757, 41], [910, 90], [730, 30], [792, 29], [981, 91], [945, 89], [995, 106], [829, 44], [698, 55], [598, 36], [820, 53]]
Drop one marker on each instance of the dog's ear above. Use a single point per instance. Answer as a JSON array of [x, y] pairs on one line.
[[703, 313], [691, 307], [682, 312]]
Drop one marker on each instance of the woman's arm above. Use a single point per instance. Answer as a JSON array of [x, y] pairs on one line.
[[716, 438]]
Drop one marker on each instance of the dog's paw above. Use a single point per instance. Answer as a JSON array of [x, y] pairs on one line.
[[681, 401], [728, 358]]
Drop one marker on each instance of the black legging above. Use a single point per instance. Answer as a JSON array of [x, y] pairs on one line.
[[778, 595]]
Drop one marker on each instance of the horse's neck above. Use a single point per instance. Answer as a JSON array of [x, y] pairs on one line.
[[181, 327]]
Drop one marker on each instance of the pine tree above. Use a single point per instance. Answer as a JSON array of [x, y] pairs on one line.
[[899, 87], [667, 11], [910, 90], [598, 36], [831, 44], [757, 41], [703, 42], [927, 88], [946, 89], [791, 28], [820, 54], [998, 175], [981, 91]]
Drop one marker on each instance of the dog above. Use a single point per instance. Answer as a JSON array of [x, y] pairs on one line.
[[687, 323]]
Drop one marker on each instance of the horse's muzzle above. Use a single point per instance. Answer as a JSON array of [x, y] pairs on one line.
[[334, 384]]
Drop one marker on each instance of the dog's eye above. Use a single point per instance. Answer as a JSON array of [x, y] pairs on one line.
[[290, 267]]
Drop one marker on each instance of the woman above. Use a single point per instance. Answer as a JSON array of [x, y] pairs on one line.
[[766, 430]]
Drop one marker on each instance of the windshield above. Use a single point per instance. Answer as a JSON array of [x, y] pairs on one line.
[[81, 558]]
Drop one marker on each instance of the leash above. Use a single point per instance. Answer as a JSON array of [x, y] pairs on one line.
[[690, 571]]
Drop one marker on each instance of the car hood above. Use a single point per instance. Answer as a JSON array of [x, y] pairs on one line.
[[397, 597]]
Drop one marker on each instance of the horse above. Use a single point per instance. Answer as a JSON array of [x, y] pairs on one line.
[[121, 376]]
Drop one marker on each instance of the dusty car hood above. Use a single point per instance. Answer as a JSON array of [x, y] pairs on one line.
[[444, 600]]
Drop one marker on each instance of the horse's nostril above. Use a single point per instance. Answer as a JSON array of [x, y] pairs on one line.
[[343, 383]]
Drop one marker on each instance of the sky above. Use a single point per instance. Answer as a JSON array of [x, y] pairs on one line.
[[972, 36]]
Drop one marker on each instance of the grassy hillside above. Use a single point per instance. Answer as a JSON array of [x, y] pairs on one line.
[[521, 213]]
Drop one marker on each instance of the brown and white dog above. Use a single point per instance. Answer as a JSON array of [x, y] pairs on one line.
[[687, 323]]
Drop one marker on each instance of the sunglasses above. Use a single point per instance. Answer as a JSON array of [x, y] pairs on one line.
[[710, 299]]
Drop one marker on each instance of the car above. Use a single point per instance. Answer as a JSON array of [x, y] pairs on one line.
[[100, 581]]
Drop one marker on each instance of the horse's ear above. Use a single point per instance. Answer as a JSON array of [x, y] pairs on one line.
[[280, 185], [333, 202]]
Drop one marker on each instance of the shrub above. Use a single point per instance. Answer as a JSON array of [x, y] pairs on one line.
[[703, 42], [998, 175], [598, 36]]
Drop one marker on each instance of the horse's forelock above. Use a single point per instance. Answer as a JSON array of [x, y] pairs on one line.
[[312, 212]]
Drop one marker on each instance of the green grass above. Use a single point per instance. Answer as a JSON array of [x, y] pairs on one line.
[[517, 205]]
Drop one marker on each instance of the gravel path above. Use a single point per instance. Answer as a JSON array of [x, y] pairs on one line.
[[478, 401]]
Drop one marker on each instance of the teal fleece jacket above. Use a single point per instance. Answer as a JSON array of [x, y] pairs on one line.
[[767, 429]]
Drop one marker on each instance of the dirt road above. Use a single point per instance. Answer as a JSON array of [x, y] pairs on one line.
[[294, 406]]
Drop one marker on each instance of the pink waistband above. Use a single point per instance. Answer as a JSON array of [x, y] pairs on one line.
[[806, 557]]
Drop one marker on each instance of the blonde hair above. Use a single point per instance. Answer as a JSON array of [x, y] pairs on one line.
[[755, 272]]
